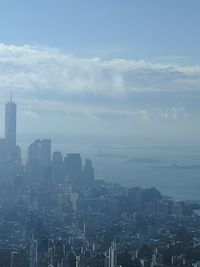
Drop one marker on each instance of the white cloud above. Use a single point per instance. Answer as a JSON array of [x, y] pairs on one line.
[[46, 79], [176, 112], [33, 67]]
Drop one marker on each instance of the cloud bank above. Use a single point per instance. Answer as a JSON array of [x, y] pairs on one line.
[[46, 79]]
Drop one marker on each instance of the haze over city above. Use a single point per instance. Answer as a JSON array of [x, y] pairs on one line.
[[99, 133], [106, 71]]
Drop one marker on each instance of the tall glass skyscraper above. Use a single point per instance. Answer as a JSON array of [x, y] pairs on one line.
[[10, 123]]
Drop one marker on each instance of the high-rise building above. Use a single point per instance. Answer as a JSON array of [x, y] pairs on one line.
[[13, 152], [34, 253], [46, 152], [10, 123], [113, 255], [88, 172], [57, 167], [3, 151], [40, 151], [39, 159], [15, 259], [73, 167]]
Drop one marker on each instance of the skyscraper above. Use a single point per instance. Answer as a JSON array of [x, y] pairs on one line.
[[73, 167], [113, 255], [88, 171], [40, 151], [39, 159], [10, 123], [57, 165]]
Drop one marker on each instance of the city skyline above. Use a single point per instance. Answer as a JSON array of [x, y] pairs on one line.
[[115, 163], [99, 133]]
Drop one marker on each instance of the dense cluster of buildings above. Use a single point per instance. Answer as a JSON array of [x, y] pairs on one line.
[[53, 212]]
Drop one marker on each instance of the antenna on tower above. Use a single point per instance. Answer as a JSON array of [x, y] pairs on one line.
[[11, 95], [11, 92]]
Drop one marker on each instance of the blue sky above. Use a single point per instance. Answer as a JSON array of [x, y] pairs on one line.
[[103, 67], [133, 29]]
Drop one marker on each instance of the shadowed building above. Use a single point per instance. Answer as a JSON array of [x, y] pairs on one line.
[[39, 160], [73, 167], [40, 151], [57, 168], [88, 172]]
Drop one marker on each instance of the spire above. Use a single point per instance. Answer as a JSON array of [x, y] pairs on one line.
[[11, 91], [11, 88], [11, 95]]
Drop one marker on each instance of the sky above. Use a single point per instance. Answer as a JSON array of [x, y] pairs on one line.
[[102, 70]]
